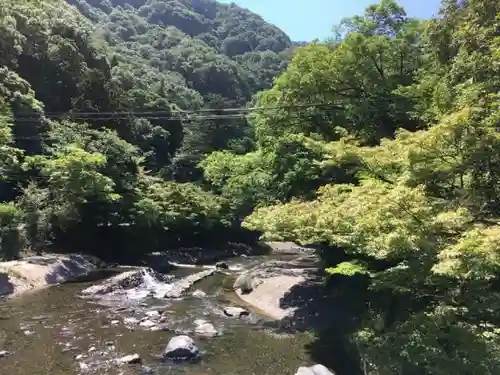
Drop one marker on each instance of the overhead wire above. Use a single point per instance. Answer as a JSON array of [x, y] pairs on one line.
[[48, 137], [183, 111], [162, 118], [148, 117], [178, 114]]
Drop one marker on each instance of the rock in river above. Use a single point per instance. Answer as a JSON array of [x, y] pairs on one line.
[[314, 370], [222, 265], [130, 320], [147, 323], [132, 358], [246, 282], [204, 328], [124, 280], [152, 314], [181, 348], [160, 327], [180, 286], [199, 293], [235, 311]]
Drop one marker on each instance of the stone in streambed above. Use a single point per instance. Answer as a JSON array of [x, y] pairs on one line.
[[199, 293], [152, 314], [123, 280], [147, 323], [246, 282], [204, 328], [131, 320], [181, 348], [180, 286], [129, 359], [237, 312]]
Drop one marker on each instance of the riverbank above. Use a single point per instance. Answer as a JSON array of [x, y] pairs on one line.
[[266, 286], [36, 272], [32, 272]]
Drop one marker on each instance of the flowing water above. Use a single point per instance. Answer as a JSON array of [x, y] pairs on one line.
[[55, 332]]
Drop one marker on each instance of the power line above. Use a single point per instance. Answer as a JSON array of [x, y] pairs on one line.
[[163, 118], [126, 114], [99, 117], [185, 112]]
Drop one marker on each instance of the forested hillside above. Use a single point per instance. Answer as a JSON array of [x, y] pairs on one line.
[[106, 104], [197, 55]]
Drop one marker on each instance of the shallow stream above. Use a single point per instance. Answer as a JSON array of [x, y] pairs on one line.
[[55, 332]]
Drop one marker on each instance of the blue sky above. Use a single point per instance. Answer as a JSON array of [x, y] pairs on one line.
[[305, 20]]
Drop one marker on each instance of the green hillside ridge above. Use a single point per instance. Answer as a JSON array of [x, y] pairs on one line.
[[93, 97]]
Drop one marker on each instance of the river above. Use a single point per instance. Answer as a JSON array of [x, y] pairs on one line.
[[55, 332]]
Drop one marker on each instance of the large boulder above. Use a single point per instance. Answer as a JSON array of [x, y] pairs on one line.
[[181, 348], [314, 370]]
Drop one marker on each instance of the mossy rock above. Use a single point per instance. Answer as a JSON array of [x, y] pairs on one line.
[[246, 283]]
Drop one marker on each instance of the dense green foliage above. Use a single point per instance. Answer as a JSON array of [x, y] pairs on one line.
[[385, 149], [106, 108]]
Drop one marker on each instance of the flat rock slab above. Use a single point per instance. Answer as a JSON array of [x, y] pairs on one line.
[[179, 287], [36, 272], [266, 296]]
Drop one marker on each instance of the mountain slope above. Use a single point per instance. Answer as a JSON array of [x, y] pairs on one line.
[[211, 48], [195, 54], [91, 127]]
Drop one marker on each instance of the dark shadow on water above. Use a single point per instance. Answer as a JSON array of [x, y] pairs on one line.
[[6, 286], [333, 313]]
